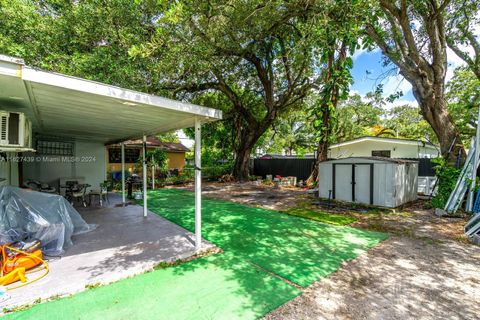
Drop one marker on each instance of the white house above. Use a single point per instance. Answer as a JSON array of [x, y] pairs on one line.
[[383, 147]]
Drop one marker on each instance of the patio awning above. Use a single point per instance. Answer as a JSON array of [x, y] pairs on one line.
[[60, 105], [72, 107]]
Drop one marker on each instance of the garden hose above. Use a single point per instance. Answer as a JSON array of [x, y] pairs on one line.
[[44, 265]]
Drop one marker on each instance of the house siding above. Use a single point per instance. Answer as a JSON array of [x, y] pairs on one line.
[[176, 160], [89, 165], [397, 150]]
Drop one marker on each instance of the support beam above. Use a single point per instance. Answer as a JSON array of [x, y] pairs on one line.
[[198, 185], [123, 173], [144, 158], [153, 177]]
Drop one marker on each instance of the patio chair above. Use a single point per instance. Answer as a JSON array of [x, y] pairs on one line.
[[38, 186], [102, 193], [78, 193]]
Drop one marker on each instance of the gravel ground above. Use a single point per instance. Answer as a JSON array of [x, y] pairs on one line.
[[425, 270]]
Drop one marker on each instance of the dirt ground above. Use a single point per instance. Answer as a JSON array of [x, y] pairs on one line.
[[425, 270]]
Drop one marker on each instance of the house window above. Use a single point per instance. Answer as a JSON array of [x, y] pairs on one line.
[[131, 155], [381, 153], [55, 148]]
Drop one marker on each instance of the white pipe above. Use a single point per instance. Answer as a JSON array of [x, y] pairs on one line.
[[144, 158], [198, 186], [123, 173], [153, 177]]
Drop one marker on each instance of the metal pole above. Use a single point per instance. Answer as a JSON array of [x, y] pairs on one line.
[[471, 193], [153, 177], [123, 173], [198, 186], [144, 175]]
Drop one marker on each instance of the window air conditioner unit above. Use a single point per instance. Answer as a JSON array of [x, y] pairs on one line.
[[15, 132]]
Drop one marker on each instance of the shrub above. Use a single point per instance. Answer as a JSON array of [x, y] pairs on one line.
[[447, 178]]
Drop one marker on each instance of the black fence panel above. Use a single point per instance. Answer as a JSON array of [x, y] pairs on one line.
[[425, 167], [300, 168]]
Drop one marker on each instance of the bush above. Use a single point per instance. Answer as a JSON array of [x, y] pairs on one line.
[[447, 178]]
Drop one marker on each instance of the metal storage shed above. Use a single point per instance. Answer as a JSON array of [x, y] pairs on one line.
[[375, 181]]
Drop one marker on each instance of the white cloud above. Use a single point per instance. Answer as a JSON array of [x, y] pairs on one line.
[[454, 61], [395, 83], [400, 102], [361, 51]]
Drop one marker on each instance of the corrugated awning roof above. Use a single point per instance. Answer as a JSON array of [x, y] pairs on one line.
[[61, 105]]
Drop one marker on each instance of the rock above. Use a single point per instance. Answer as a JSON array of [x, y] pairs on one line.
[[440, 212]]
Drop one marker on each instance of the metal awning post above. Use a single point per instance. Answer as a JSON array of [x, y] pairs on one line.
[[123, 173], [153, 177], [471, 192], [198, 185], [144, 158]]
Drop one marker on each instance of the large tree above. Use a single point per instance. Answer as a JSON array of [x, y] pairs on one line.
[[463, 33], [262, 55], [411, 34]]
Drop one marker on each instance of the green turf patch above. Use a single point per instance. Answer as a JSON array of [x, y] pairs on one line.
[[237, 284], [215, 287], [325, 217], [294, 248]]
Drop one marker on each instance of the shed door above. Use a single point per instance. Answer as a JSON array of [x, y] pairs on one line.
[[343, 182], [363, 183]]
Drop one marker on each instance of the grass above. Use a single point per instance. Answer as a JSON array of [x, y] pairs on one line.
[[262, 248], [325, 217], [297, 249]]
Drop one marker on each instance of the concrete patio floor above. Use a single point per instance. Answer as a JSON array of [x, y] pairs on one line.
[[123, 245]]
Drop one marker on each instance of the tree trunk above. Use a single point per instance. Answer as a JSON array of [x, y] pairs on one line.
[[247, 137], [241, 167], [322, 146], [434, 110]]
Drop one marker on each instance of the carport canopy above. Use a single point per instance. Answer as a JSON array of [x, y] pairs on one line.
[[61, 105]]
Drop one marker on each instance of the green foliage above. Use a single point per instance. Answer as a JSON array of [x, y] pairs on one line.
[[463, 98], [158, 158], [406, 122], [169, 137], [291, 132], [355, 117], [447, 175]]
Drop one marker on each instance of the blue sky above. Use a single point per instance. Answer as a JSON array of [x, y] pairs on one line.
[[364, 61], [368, 72], [372, 62]]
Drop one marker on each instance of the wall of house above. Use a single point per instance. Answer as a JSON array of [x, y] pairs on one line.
[[397, 150], [176, 160], [88, 163], [9, 170]]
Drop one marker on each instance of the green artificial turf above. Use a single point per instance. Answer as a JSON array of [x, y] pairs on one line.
[[294, 248], [215, 287], [237, 284], [331, 218]]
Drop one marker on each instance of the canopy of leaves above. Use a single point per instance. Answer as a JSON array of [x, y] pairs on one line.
[[463, 98]]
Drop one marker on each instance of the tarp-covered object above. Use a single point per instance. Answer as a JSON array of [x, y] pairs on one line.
[[50, 218]]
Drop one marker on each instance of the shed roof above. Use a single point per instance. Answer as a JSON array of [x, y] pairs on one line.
[[387, 140], [153, 141], [67, 106], [373, 159]]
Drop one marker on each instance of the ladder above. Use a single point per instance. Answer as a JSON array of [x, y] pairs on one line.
[[473, 226], [456, 197]]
